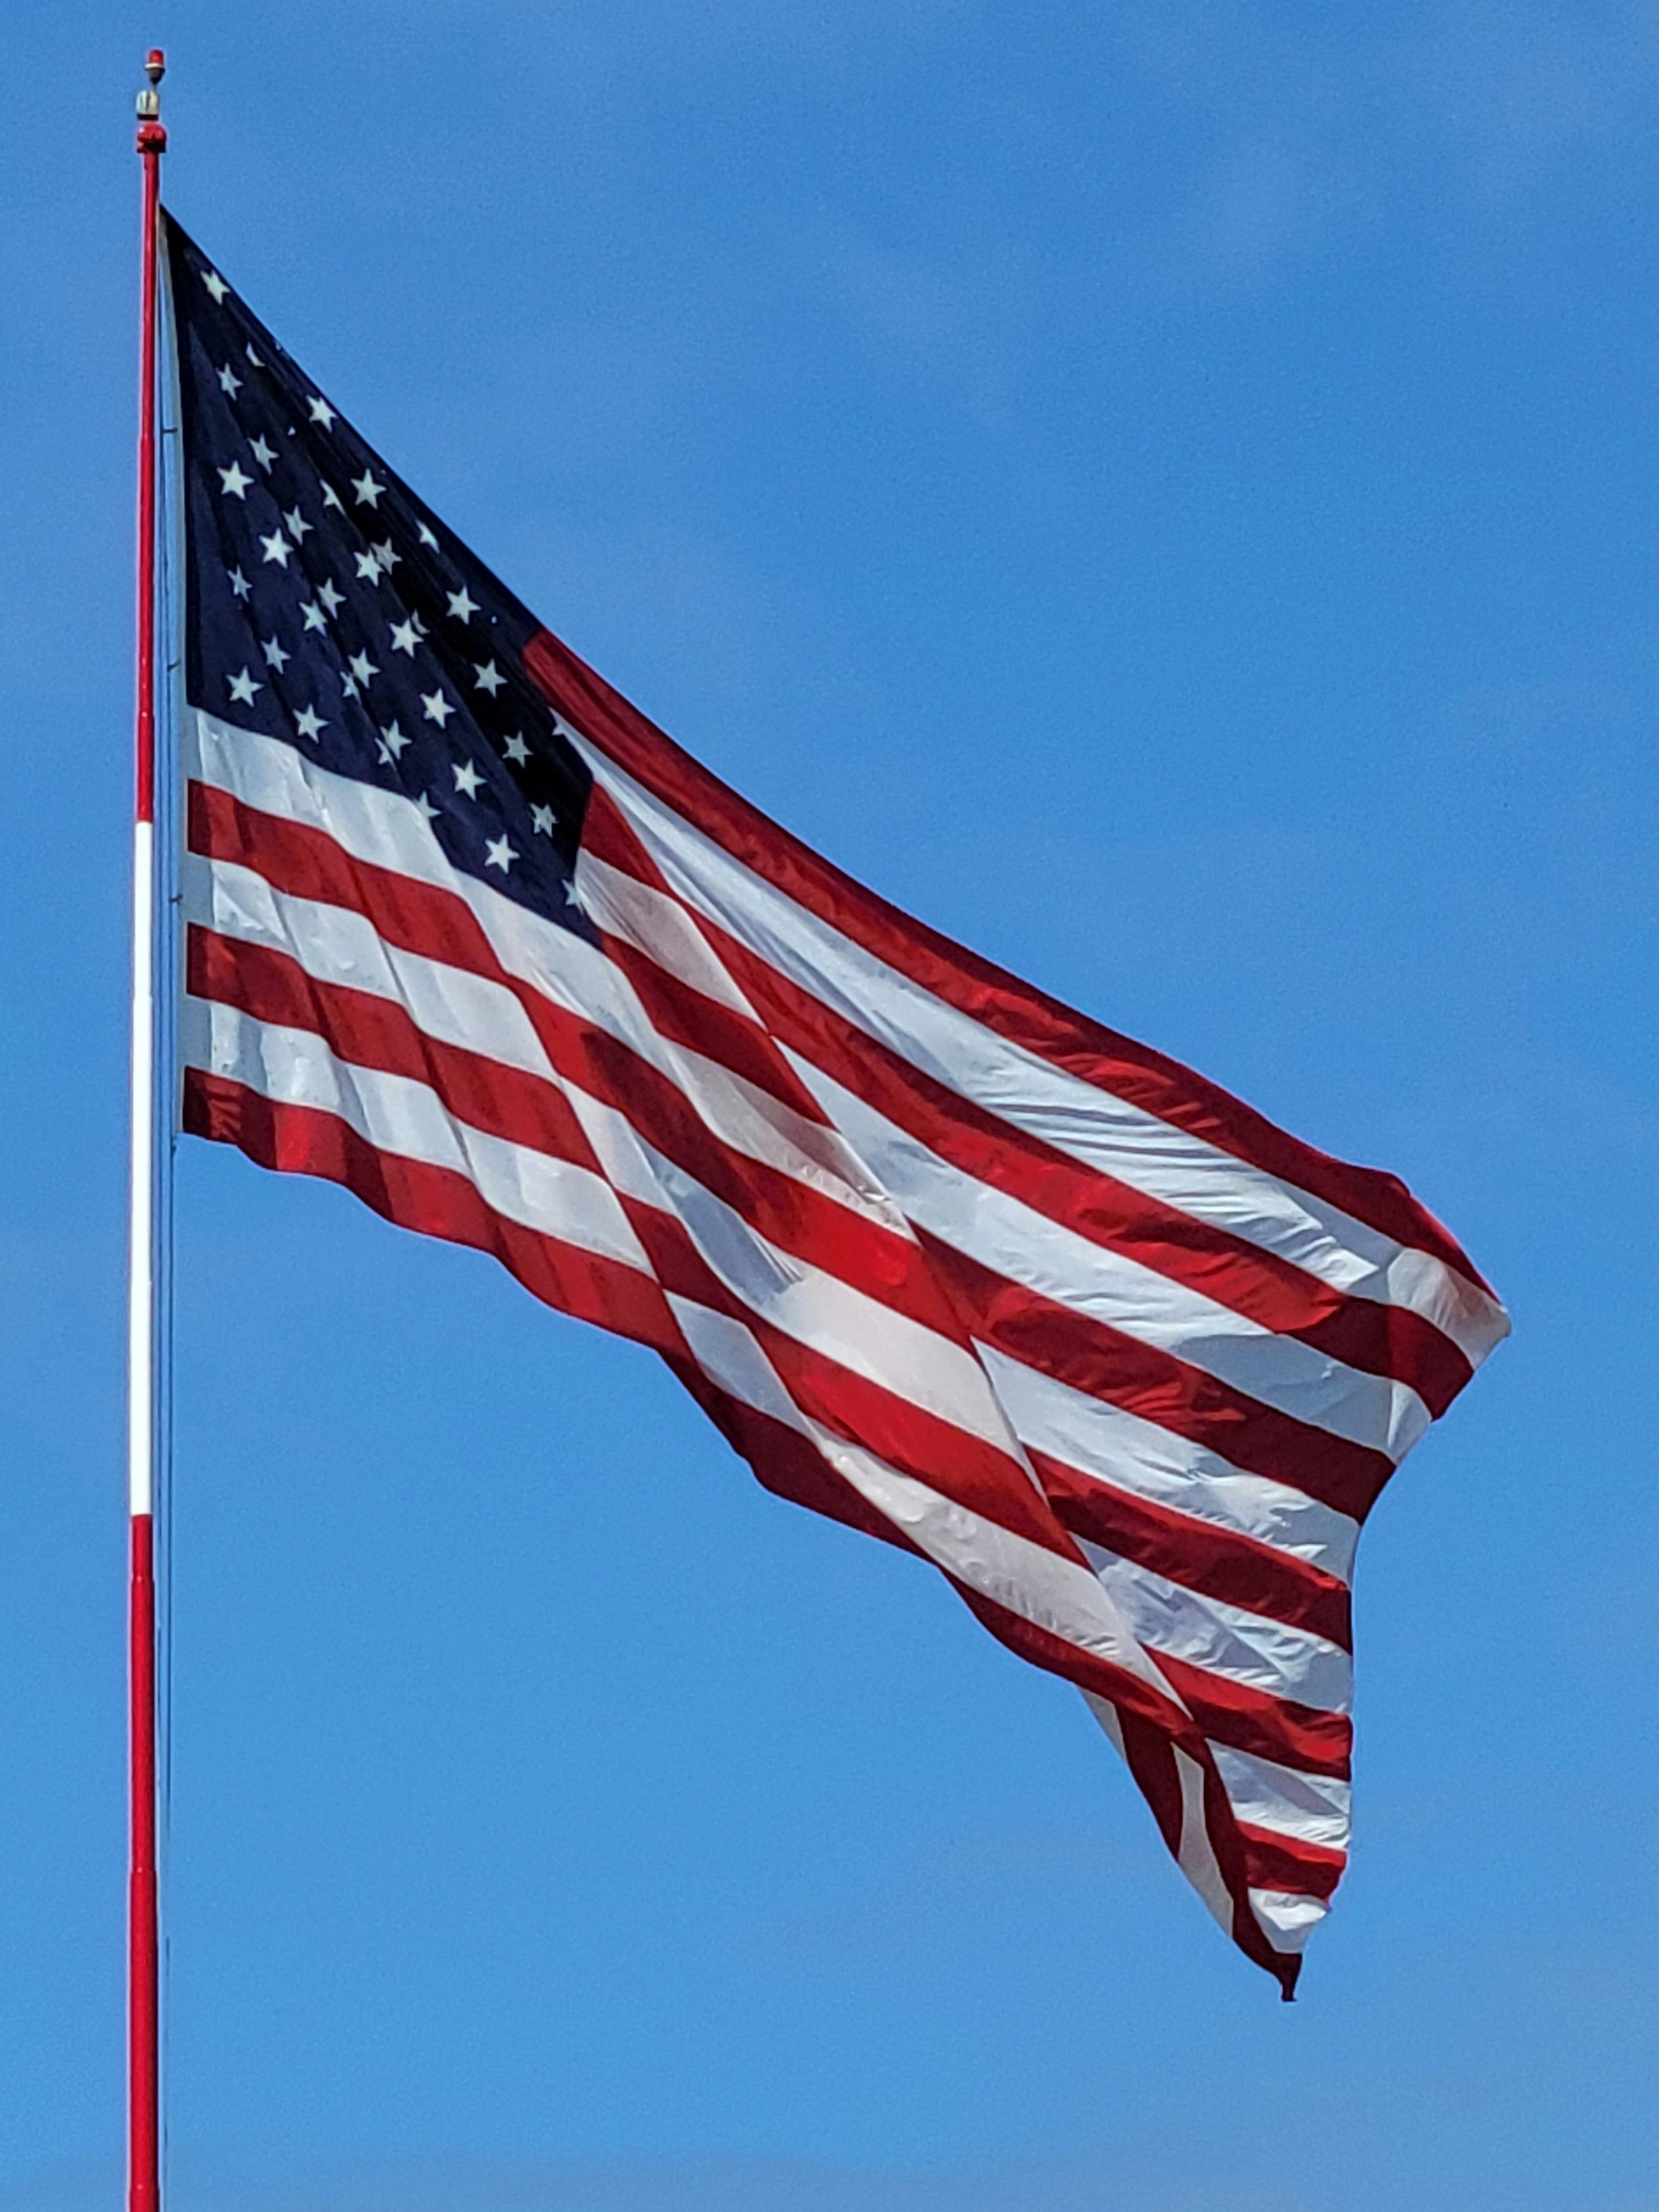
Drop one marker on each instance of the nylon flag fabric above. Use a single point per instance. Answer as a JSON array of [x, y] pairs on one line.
[[940, 1258]]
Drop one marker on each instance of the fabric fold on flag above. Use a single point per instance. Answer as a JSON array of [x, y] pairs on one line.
[[941, 1258]]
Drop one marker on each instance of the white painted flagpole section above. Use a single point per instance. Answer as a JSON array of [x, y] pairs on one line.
[[143, 2131]]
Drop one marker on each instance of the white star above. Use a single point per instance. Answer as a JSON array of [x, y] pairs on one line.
[[297, 523], [238, 583], [331, 497], [368, 566], [404, 638], [498, 853], [489, 677], [262, 453], [542, 818], [517, 750], [570, 898], [368, 492], [276, 656], [394, 739], [427, 809], [313, 615], [216, 284], [230, 382], [322, 412], [277, 548], [235, 482], [387, 556], [427, 539], [348, 686], [461, 607], [243, 687], [331, 595], [438, 709], [467, 779], [363, 667], [253, 357], [309, 723]]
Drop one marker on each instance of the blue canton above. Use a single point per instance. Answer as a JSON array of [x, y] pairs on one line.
[[327, 607]]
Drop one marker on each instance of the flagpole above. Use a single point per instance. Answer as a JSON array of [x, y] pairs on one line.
[[143, 2081]]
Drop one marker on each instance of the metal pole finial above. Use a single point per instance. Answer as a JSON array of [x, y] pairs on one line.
[[152, 137]]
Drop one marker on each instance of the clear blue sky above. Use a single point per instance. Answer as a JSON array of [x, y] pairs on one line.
[[1169, 494]]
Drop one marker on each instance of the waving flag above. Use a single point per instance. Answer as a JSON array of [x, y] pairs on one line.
[[941, 1258]]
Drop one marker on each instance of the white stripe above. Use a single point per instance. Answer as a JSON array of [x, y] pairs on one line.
[[1285, 1918], [1088, 1123], [1015, 1241], [396, 1115], [1315, 1807], [336, 944], [659, 927], [381, 827], [1106, 1713], [1136, 1455], [1197, 1853], [1224, 1639]]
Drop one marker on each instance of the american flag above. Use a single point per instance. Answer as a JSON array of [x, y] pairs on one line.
[[941, 1258]]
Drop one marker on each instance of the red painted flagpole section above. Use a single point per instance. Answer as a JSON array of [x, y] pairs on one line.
[[144, 2079]]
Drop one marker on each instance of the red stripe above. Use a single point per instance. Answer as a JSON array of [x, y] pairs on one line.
[[785, 1461], [1276, 1862], [308, 864], [1363, 1333], [366, 1030], [699, 1023], [798, 1217], [436, 1201], [688, 1016], [1217, 1563], [1134, 1697], [1305, 1737], [1227, 1842], [1103, 1363], [1152, 1762], [1002, 1002]]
